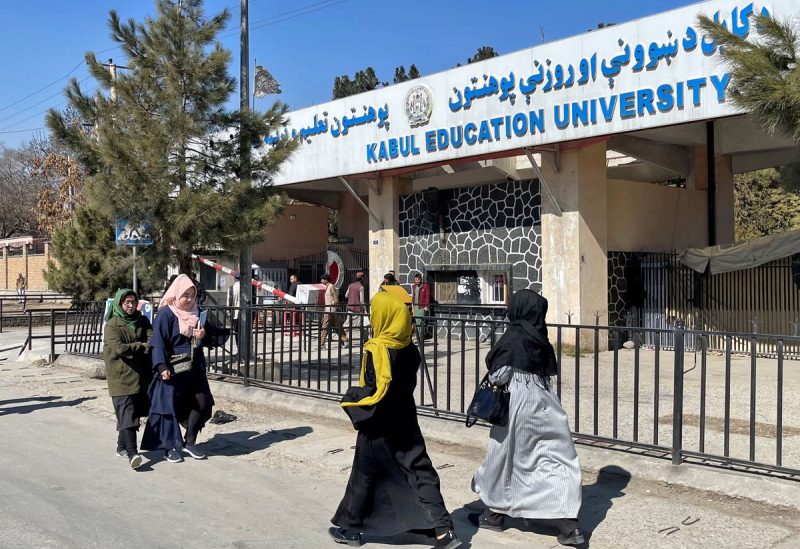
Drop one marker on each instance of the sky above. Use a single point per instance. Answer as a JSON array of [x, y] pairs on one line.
[[305, 44]]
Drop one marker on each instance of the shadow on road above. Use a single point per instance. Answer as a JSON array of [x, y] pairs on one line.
[[42, 406], [598, 498], [246, 442], [28, 399]]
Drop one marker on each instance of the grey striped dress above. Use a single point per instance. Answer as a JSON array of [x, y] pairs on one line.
[[531, 469]]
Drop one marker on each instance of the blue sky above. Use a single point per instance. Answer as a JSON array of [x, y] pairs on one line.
[[304, 43]]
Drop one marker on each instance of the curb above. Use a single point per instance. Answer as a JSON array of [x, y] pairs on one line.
[[449, 432]]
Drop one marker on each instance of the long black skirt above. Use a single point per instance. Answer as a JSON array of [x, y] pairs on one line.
[[393, 488]]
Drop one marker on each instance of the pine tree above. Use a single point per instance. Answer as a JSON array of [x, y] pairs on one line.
[[163, 146], [764, 76], [362, 81], [484, 52]]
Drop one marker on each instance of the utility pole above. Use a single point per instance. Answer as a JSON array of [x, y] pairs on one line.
[[245, 255]]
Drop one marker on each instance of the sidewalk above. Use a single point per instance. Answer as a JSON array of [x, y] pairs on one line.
[[625, 509]]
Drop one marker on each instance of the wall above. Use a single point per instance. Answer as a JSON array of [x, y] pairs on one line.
[[32, 266], [489, 224], [353, 221], [644, 217], [288, 238]]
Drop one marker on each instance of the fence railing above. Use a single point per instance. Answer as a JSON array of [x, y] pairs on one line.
[[727, 409]]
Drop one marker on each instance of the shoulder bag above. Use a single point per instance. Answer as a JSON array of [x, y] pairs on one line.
[[490, 403]]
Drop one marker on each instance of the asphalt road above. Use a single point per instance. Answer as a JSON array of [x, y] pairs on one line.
[[273, 480]]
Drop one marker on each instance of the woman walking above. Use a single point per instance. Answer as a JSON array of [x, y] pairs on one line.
[[393, 487], [531, 469], [126, 353], [183, 397]]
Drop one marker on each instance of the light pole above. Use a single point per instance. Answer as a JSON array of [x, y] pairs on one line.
[[245, 254]]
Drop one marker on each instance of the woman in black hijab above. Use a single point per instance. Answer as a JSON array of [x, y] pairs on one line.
[[531, 469]]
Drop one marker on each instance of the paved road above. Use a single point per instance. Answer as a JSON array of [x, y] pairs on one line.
[[273, 480]]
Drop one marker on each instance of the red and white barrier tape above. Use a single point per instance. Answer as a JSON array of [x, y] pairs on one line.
[[258, 284]]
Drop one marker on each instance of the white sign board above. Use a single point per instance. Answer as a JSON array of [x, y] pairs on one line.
[[656, 71]]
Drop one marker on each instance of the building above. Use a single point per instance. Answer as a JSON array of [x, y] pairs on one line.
[[545, 168]]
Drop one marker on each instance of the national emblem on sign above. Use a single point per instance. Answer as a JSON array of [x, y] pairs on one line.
[[419, 105]]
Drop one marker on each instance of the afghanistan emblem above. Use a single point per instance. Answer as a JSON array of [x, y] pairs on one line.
[[419, 105]]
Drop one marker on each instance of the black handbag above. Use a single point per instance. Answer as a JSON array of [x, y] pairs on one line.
[[181, 363], [490, 403]]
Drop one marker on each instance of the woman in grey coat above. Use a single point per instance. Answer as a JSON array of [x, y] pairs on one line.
[[531, 469]]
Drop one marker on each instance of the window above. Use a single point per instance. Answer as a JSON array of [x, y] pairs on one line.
[[494, 288]]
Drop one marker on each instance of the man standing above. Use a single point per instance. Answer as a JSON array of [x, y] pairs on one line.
[[22, 285], [420, 300], [233, 303], [330, 319], [355, 301], [294, 315]]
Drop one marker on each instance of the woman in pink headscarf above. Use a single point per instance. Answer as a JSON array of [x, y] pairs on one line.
[[179, 393]]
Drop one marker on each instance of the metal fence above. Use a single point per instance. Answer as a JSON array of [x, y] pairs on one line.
[[762, 299], [726, 408]]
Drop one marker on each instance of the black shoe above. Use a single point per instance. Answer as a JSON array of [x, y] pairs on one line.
[[448, 541], [488, 521], [339, 535], [573, 538]]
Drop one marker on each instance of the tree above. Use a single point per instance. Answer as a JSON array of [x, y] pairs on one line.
[[762, 206], [764, 76], [483, 53], [163, 147], [400, 74], [362, 81], [18, 191], [56, 204]]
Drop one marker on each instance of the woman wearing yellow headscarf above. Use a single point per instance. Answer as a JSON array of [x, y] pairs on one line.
[[393, 487]]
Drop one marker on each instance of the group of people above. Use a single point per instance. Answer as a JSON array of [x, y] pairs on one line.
[[158, 372], [530, 471]]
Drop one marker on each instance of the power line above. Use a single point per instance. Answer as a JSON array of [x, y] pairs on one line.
[[298, 15], [20, 131], [255, 25], [3, 130], [281, 17], [37, 104], [54, 82]]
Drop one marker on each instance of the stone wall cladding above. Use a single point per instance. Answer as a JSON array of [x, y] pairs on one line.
[[488, 224]]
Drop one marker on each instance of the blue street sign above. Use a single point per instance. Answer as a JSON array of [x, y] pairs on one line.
[[128, 234]]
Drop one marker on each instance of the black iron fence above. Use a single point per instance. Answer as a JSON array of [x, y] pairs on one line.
[[726, 408]]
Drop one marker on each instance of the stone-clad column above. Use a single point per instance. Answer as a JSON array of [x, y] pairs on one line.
[[384, 243], [574, 244]]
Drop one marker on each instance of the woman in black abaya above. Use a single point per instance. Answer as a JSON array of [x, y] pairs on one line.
[[393, 487]]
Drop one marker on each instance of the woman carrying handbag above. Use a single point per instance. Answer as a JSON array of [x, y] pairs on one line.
[[179, 393], [531, 469]]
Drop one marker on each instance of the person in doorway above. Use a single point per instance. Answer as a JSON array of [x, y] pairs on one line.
[[420, 300], [355, 302], [22, 285], [330, 320], [184, 397], [531, 469], [126, 354], [393, 487]]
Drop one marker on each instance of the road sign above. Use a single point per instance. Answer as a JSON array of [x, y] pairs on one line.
[[128, 234]]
